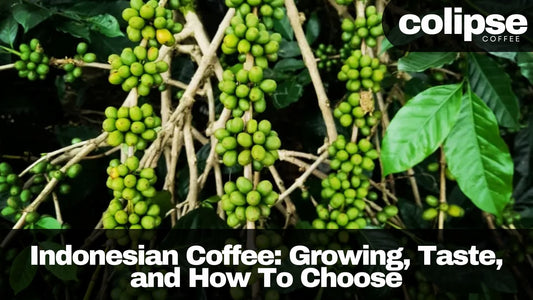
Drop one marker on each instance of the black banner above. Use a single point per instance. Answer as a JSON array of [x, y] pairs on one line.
[[453, 25], [266, 264]]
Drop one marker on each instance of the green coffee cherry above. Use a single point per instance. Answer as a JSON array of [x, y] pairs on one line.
[[244, 203], [33, 63], [430, 214], [346, 189], [133, 126], [136, 189]]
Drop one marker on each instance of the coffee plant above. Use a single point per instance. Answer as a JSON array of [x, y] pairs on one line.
[[251, 114]]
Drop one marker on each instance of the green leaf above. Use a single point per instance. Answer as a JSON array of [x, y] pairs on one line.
[[420, 127], [525, 62], [48, 223], [289, 49], [304, 78], [87, 8], [289, 64], [385, 45], [507, 55], [9, 29], [22, 272], [493, 85], [283, 26], [65, 134], [421, 61], [312, 28], [29, 15], [415, 86], [287, 93], [66, 272], [201, 157], [76, 29], [102, 46], [411, 214], [163, 199], [106, 24], [478, 157]]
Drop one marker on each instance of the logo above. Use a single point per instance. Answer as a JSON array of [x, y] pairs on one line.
[[460, 25]]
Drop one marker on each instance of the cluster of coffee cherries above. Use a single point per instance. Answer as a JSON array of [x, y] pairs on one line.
[[250, 35], [242, 202], [242, 88], [345, 190], [18, 197], [362, 72], [151, 22], [254, 143], [350, 112], [133, 190], [53, 171], [21, 194], [362, 29], [135, 126], [33, 63], [452, 210], [74, 71], [328, 57], [137, 68], [244, 140], [268, 10]]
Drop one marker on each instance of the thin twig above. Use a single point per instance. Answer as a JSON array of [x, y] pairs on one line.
[[166, 95], [385, 121], [443, 70], [57, 208], [302, 165], [80, 63], [355, 132], [301, 180], [7, 67], [383, 183], [107, 153], [49, 155], [310, 62], [192, 197], [203, 41], [442, 193], [290, 216], [213, 157], [287, 153], [91, 146], [414, 187], [181, 85], [199, 136], [384, 57], [187, 100], [177, 144], [381, 187]]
